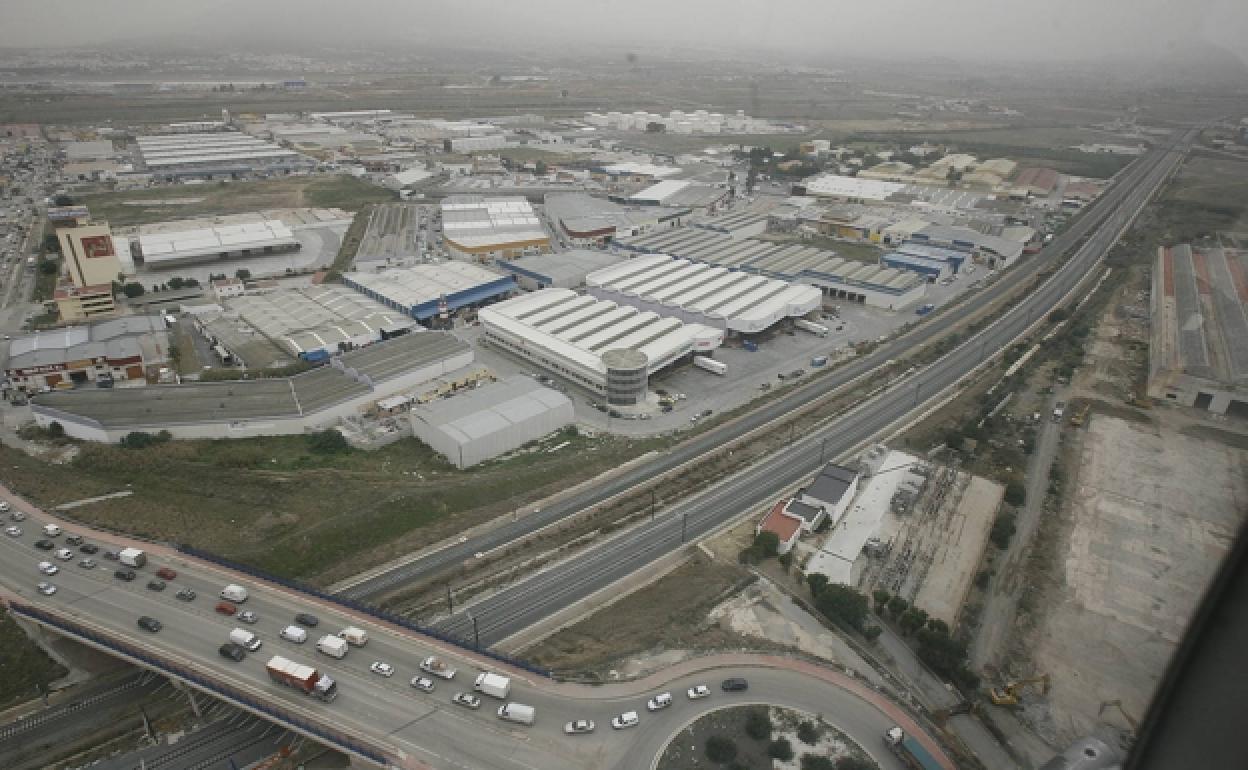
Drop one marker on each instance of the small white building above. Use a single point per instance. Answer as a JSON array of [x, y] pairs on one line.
[[227, 288]]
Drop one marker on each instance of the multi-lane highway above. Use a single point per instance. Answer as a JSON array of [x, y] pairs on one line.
[[412, 728], [1100, 224], [521, 605]]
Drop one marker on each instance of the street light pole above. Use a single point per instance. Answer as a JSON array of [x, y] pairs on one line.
[[684, 527], [652, 503], [450, 605]]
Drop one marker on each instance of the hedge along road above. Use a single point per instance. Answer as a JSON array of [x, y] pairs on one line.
[[511, 610], [443, 560]]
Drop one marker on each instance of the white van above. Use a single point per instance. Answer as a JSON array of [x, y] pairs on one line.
[[356, 637], [234, 593], [294, 634], [517, 712], [245, 639], [51, 530]]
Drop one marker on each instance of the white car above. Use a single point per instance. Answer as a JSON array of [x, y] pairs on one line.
[[48, 568], [384, 669], [17, 516], [4, 507], [466, 700], [660, 701], [422, 683], [627, 719], [47, 589], [579, 726], [64, 554], [698, 691], [13, 531]]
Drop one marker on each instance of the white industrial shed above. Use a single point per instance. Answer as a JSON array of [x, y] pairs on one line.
[[705, 294], [179, 247], [487, 422], [569, 334]]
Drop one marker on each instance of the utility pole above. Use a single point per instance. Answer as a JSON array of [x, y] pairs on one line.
[[450, 605], [652, 503], [823, 448], [684, 527], [476, 633]]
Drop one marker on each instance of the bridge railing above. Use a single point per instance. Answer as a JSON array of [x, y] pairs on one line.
[[160, 662], [358, 606]]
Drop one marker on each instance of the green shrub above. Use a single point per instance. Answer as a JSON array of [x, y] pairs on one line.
[[720, 749]]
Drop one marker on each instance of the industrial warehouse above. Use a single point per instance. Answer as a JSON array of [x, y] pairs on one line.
[[223, 153], [587, 221], [608, 348], [346, 387], [560, 270], [492, 228], [176, 248], [422, 291], [122, 351], [837, 278], [700, 293]]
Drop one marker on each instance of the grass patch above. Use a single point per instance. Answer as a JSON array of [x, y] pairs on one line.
[[23, 665], [337, 191], [1003, 144], [277, 504]]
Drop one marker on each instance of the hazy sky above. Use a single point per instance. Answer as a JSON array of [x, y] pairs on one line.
[[973, 29]]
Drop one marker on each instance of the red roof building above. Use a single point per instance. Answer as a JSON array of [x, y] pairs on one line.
[[786, 526]]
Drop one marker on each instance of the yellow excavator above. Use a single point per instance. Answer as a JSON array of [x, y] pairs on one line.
[[1009, 695]]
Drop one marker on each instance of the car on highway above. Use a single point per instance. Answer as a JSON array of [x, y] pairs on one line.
[[164, 573], [249, 617], [112, 555], [579, 727], [90, 548], [17, 516], [627, 719], [466, 700], [155, 585], [734, 684], [45, 545], [659, 702], [13, 531], [73, 540], [226, 608], [423, 683], [232, 651], [149, 624], [125, 574], [698, 691], [87, 563], [382, 669], [4, 507], [48, 568], [305, 619], [47, 589], [64, 554], [185, 594]]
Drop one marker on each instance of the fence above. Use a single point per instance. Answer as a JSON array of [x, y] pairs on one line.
[[160, 663], [352, 604]]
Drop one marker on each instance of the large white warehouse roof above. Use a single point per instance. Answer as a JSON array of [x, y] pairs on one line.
[[174, 246], [710, 294], [851, 188]]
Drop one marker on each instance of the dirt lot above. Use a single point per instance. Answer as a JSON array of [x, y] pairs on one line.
[[216, 198], [274, 503]]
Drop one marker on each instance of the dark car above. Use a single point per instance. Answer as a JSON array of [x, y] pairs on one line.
[[156, 585], [735, 684], [234, 652], [149, 624], [112, 555], [45, 545], [304, 619], [125, 574], [165, 573], [73, 540], [186, 595], [89, 548]]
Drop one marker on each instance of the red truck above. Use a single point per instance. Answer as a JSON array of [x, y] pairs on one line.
[[301, 677]]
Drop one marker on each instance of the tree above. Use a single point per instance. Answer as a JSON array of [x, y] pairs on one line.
[[176, 282], [768, 543], [137, 440], [954, 438], [938, 625], [816, 762], [327, 442], [51, 243], [897, 605], [540, 168], [881, 598], [817, 582], [780, 749], [840, 602], [912, 620], [133, 290], [241, 274], [853, 763], [1015, 493], [758, 724], [1002, 530], [47, 267], [56, 430], [721, 749], [807, 734]]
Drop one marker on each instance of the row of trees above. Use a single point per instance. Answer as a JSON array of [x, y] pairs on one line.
[[936, 646]]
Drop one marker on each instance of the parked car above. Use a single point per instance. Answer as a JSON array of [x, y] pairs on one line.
[[627, 719], [47, 589], [226, 608], [156, 585], [423, 683], [90, 548], [164, 573], [185, 594], [87, 563], [249, 617], [466, 700], [735, 684], [698, 691], [579, 726], [125, 574], [149, 624], [383, 669], [48, 568], [304, 619]]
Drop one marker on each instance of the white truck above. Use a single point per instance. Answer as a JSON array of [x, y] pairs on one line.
[[332, 646], [234, 593], [710, 365], [245, 639], [819, 330], [132, 557], [517, 712], [494, 685], [437, 667], [356, 637]]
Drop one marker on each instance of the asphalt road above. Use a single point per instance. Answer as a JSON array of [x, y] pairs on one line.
[[1108, 214], [523, 604], [425, 728]]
